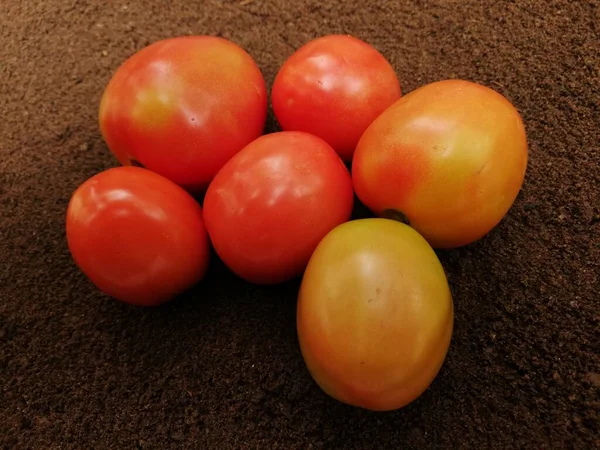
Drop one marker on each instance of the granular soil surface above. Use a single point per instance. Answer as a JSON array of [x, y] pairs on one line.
[[220, 367]]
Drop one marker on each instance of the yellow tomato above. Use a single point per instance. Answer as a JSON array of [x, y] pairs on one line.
[[375, 314], [449, 156]]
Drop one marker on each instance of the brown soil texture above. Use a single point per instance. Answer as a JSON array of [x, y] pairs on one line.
[[220, 367]]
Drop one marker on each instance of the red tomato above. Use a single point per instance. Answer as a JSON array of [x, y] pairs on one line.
[[272, 203], [137, 236], [334, 87], [450, 157], [183, 106], [375, 314]]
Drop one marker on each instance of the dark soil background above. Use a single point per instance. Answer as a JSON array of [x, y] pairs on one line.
[[220, 368]]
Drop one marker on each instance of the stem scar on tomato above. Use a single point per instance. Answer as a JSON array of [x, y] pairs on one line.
[[394, 214]]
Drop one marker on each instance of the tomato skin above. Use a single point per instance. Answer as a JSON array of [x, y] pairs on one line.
[[183, 106], [451, 156], [271, 204], [375, 314], [137, 236], [334, 87]]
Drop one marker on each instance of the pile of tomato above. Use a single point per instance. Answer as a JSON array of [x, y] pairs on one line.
[[438, 167]]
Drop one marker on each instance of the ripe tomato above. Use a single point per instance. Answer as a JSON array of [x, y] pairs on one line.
[[334, 87], [271, 204], [450, 157], [183, 106], [137, 236], [375, 314]]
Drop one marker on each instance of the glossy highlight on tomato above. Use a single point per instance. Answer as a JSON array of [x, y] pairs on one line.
[[137, 236], [271, 204], [449, 157], [375, 314], [183, 106], [334, 87]]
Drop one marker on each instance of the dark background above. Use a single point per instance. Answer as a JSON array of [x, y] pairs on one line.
[[221, 368]]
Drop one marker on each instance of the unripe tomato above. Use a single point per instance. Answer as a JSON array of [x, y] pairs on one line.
[[375, 314], [271, 204], [334, 87], [137, 236], [449, 157], [184, 106]]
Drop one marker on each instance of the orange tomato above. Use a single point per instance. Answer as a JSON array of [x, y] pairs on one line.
[[375, 314], [183, 106], [449, 157]]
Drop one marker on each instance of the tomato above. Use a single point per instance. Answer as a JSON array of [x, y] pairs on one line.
[[450, 157], [137, 236], [334, 87], [375, 314], [271, 204], [183, 106]]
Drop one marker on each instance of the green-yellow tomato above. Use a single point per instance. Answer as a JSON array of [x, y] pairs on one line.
[[375, 314]]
